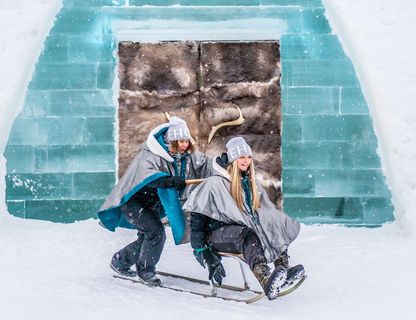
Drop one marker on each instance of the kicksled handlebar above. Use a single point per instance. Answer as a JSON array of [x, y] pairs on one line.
[[193, 181]]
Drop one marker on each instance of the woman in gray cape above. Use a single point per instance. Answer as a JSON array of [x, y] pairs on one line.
[[232, 213], [149, 189]]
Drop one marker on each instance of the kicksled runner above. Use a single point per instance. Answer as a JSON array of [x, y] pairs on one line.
[[198, 287]]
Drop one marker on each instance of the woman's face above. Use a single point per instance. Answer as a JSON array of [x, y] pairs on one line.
[[183, 145], [243, 163]]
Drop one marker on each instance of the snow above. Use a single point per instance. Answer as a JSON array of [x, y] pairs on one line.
[[56, 271], [24, 26], [60, 271]]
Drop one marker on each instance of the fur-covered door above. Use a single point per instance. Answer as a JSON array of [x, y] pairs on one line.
[[207, 84]]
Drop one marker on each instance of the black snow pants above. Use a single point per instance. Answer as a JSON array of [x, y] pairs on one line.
[[238, 239], [145, 252]]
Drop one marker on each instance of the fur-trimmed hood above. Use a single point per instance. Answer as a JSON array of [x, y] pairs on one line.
[[219, 170], [155, 141]]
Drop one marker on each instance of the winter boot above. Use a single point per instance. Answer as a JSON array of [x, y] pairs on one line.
[[149, 278], [283, 260], [121, 269], [270, 281], [294, 274]]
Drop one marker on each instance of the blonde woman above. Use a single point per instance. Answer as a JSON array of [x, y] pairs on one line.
[[232, 213]]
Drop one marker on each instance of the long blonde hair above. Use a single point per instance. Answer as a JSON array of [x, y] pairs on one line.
[[236, 189]]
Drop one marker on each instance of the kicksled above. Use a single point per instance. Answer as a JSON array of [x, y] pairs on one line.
[[194, 286]]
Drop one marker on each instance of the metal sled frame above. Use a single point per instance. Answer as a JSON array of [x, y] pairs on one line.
[[257, 295], [214, 292], [246, 287]]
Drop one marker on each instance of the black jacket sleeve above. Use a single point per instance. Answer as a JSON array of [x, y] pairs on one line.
[[199, 230], [163, 182]]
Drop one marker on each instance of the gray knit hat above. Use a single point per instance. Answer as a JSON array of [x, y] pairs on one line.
[[237, 147], [178, 130]]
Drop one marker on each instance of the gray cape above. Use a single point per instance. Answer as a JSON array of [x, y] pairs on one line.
[[151, 163], [276, 230]]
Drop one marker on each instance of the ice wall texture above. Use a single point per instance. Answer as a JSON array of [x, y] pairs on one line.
[[61, 157]]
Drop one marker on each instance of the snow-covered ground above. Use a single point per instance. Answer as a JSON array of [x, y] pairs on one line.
[[55, 271], [58, 271]]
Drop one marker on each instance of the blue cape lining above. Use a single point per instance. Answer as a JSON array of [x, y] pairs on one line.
[[112, 217]]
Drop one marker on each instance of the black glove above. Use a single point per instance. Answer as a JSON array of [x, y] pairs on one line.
[[199, 255], [178, 183], [213, 261]]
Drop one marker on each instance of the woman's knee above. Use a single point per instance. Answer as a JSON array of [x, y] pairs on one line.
[[249, 236], [231, 238], [155, 231]]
